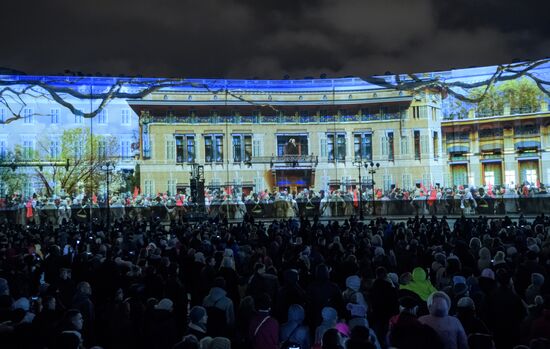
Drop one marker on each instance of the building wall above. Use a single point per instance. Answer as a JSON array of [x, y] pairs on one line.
[[159, 172]]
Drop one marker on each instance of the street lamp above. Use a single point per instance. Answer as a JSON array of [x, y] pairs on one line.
[[359, 164], [371, 168], [108, 168]]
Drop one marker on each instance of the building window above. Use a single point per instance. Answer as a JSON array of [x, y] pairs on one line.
[[78, 119], [213, 148], [391, 151], [125, 117], [362, 146], [387, 182], [3, 148], [55, 149], [185, 149], [170, 148], [404, 145], [171, 187], [149, 185], [406, 181], [426, 180], [125, 149], [28, 116], [102, 117], [54, 116], [386, 146], [257, 147], [336, 148], [28, 150], [417, 150], [424, 144], [102, 148], [531, 176], [436, 145], [242, 148], [323, 147], [510, 178]]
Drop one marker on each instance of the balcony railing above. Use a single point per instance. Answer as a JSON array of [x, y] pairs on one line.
[[287, 160]]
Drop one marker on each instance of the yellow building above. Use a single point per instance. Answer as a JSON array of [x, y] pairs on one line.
[[290, 134], [500, 148]]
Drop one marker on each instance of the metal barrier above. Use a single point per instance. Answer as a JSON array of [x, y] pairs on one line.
[[283, 209]]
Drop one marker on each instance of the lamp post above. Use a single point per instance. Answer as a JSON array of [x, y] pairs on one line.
[[371, 168], [360, 164], [108, 168]]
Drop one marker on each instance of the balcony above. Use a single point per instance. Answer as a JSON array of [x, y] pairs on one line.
[[287, 160]]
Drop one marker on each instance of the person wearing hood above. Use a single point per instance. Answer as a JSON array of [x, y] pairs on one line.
[[484, 260], [220, 309], [448, 328], [330, 317], [534, 289], [352, 293], [420, 284], [294, 331]]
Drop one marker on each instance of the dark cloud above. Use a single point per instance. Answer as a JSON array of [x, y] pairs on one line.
[[268, 39]]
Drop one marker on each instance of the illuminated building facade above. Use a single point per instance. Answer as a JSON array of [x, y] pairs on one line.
[[289, 135]]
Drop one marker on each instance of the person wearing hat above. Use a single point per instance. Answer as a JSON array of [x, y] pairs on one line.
[[448, 328], [161, 331], [197, 322], [405, 331]]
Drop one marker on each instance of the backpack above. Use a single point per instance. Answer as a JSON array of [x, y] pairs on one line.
[[288, 343], [216, 325]]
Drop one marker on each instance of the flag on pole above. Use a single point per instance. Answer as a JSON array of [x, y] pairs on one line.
[[136, 192]]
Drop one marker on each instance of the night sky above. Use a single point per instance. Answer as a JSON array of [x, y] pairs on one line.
[[269, 39]]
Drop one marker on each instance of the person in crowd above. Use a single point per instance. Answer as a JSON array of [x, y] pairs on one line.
[[264, 329], [294, 332], [220, 309], [405, 331], [198, 320], [144, 270], [419, 284], [449, 328]]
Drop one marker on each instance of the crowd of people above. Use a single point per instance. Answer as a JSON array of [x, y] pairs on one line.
[[291, 283], [233, 203]]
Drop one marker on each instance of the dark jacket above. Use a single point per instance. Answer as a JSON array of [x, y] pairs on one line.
[[264, 334]]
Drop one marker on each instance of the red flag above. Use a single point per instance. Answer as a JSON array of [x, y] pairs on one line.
[[355, 198], [136, 192], [94, 198]]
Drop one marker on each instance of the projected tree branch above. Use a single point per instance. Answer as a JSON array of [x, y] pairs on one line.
[[18, 92]]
